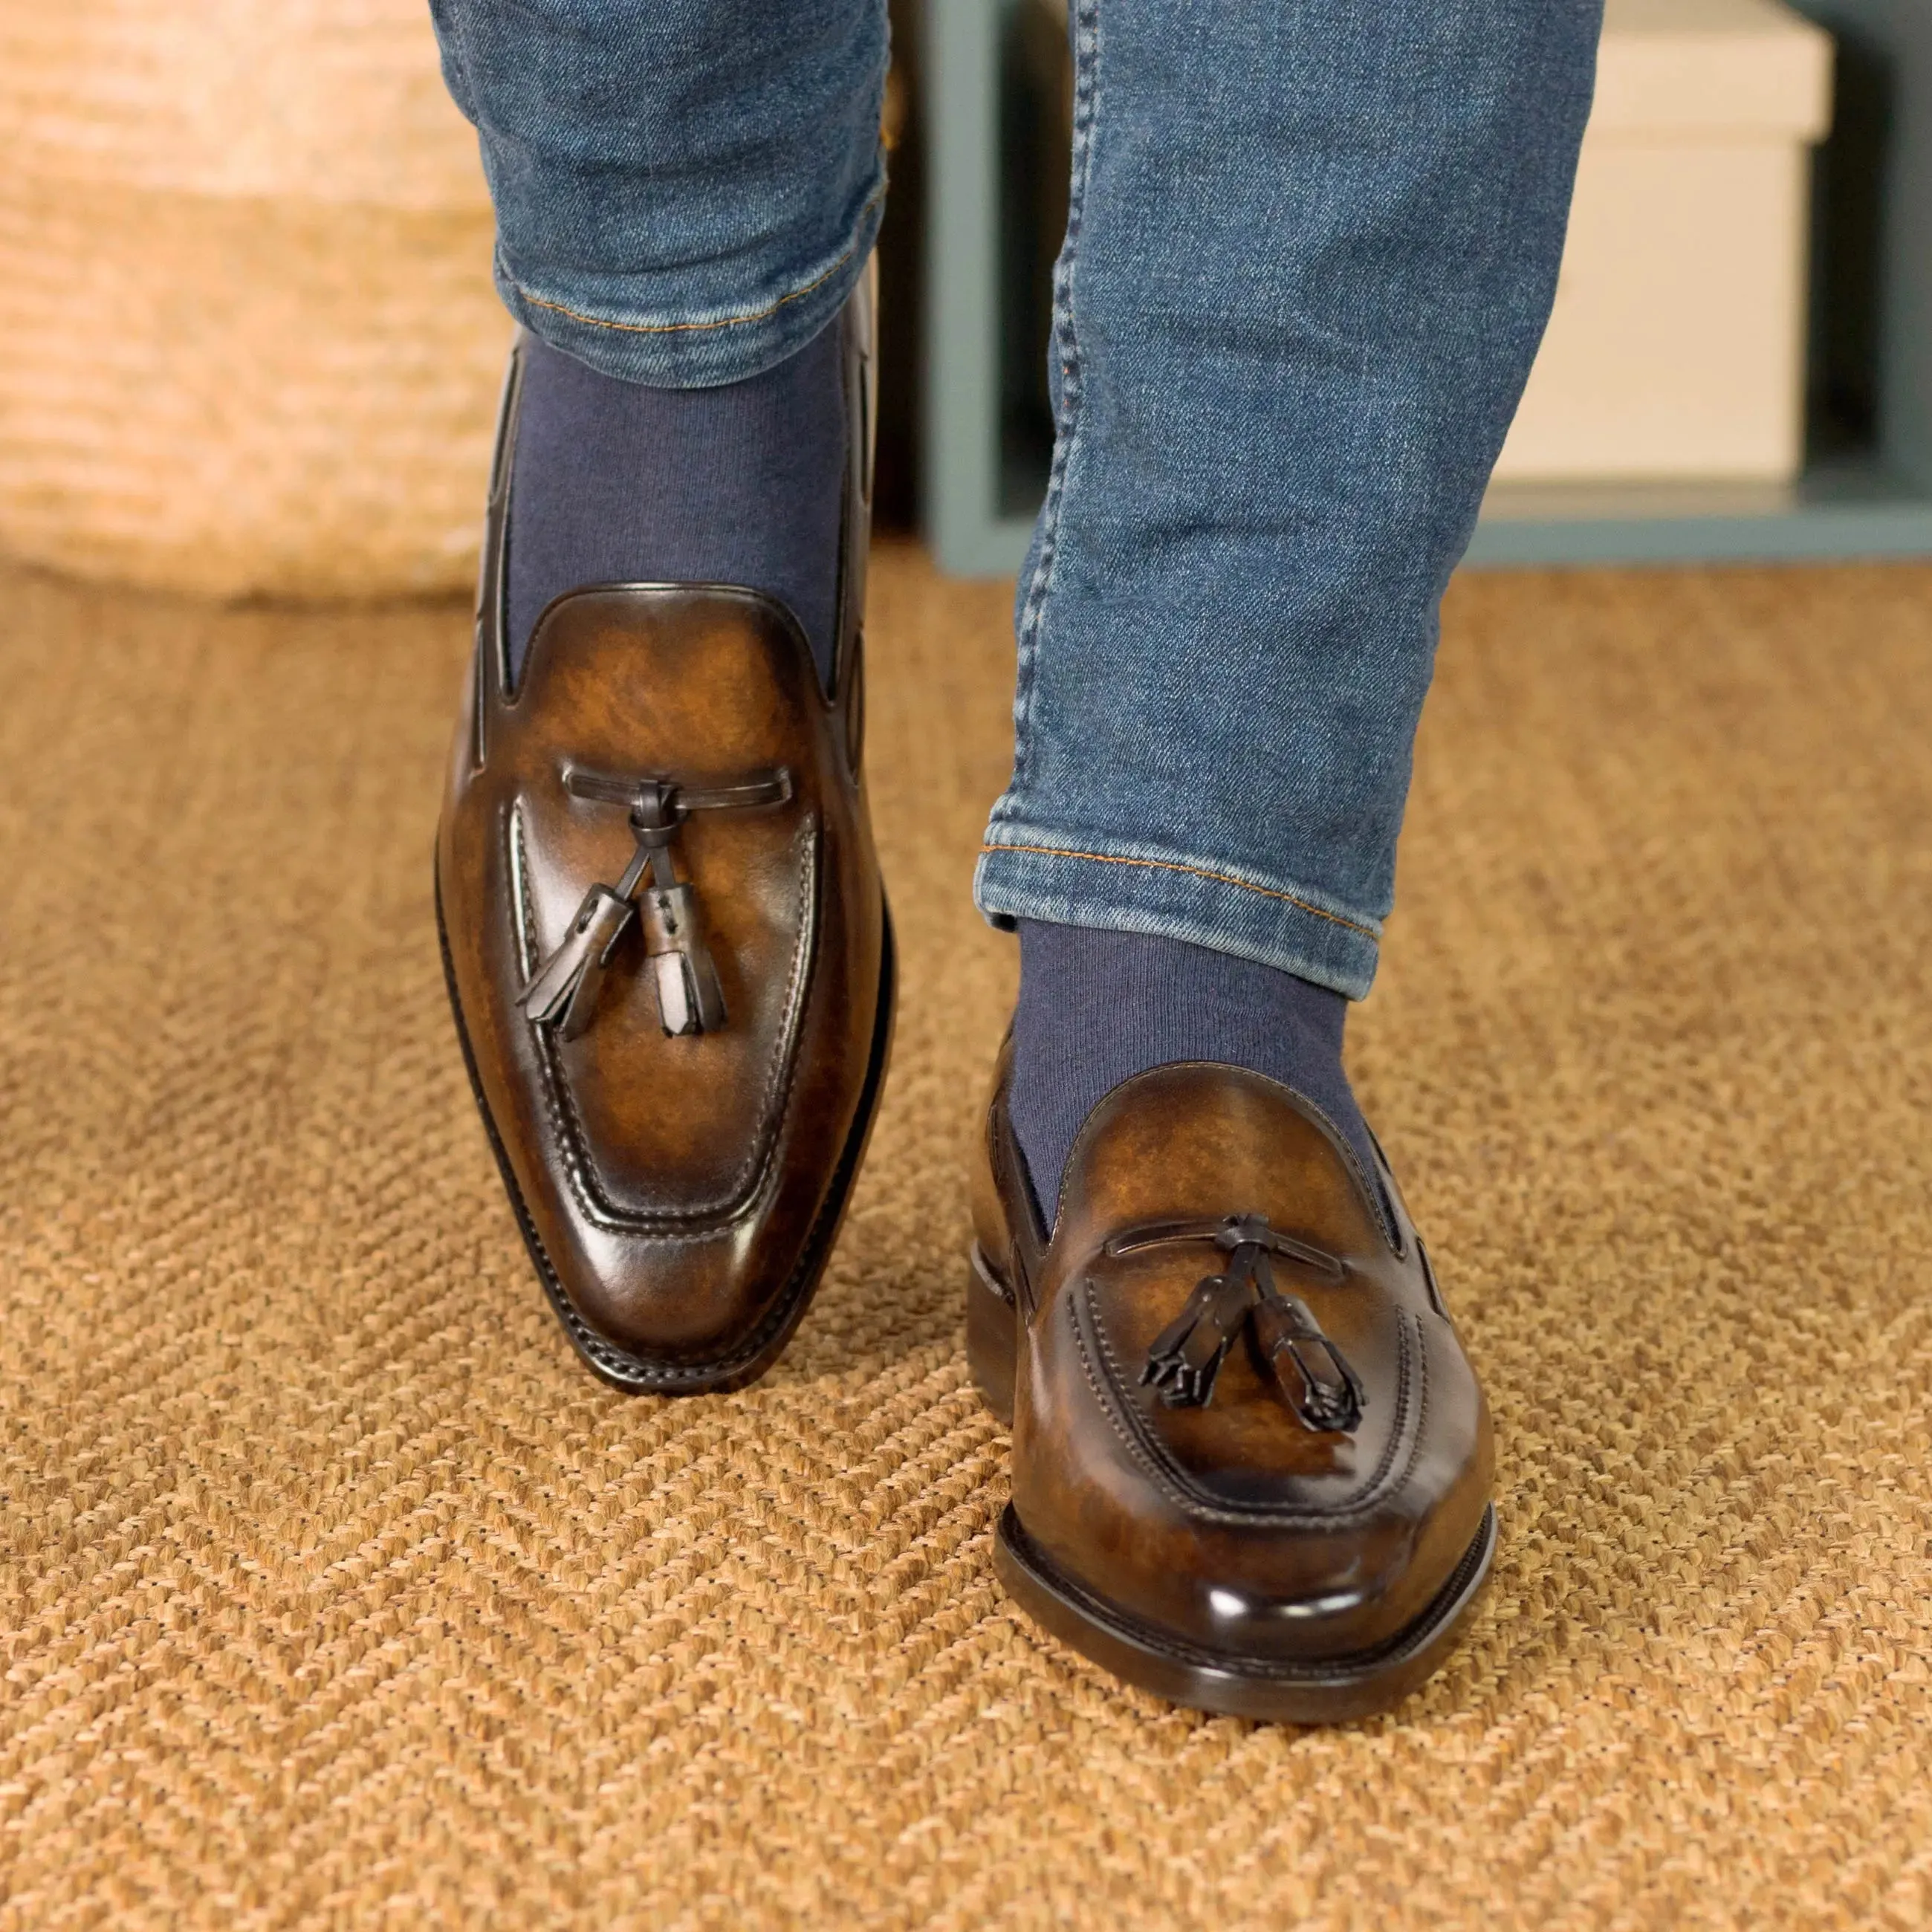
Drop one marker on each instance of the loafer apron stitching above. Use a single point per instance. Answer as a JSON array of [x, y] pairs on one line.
[[702, 1221], [1109, 1385]]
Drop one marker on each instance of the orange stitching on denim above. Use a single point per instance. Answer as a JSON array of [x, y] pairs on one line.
[[1199, 872], [723, 322]]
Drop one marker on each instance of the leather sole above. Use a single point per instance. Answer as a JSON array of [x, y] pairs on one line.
[[637, 1375], [1327, 1691]]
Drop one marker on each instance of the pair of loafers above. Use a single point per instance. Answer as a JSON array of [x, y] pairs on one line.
[[1252, 1465]]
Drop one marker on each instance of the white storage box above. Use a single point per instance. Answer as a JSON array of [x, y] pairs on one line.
[[1676, 348]]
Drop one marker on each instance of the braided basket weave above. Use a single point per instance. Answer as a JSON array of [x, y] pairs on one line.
[[248, 342]]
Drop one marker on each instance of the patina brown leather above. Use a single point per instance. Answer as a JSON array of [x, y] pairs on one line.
[[678, 1104], [1301, 1542]]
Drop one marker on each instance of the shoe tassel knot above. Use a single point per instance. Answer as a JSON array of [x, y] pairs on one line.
[[1312, 1374], [562, 995]]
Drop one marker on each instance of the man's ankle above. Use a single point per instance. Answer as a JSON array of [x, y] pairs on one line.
[[615, 483], [1096, 1007]]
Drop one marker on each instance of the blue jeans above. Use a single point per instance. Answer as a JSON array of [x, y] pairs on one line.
[[1311, 252]]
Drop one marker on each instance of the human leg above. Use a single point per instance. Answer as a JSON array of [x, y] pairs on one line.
[[685, 192], [665, 936], [1309, 259], [1310, 255], [686, 196]]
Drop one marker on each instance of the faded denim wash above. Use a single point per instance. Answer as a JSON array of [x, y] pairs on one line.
[[1311, 250]]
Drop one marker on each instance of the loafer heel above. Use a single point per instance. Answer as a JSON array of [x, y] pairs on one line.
[[992, 1334]]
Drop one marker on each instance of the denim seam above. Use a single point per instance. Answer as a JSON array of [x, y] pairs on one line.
[[1199, 872], [720, 322], [1086, 110]]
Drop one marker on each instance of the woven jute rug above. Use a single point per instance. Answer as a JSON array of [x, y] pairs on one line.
[[334, 1593], [251, 343]]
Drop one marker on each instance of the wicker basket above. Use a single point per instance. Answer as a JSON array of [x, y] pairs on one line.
[[250, 343]]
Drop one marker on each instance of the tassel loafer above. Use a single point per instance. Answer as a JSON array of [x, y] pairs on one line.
[[667, 944], [1251, 1464]]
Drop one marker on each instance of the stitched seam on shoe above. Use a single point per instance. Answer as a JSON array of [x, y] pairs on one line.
[[721, 321], [630, 1370], [521, 923], [566, 1122], [1199, 872], [1422, 1396], [1174, 1482], [746, 1184], [1384, 1478]]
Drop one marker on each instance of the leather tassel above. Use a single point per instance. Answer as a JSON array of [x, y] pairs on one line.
[[1312, 1374], [563, 995], [1286, 1341], [690, 999], [1187, 1356]]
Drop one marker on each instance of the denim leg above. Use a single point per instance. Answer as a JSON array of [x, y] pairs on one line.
[[1311, 252], [685, 190]]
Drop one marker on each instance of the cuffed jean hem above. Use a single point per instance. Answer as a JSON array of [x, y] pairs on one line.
[[1125, 889], [601, 323]]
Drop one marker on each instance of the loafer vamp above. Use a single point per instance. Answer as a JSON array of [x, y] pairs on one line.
[[671, 1127], [671, 1180], [1245, 1449]]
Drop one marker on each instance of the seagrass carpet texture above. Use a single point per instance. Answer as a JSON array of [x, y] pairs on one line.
[[334, 1593]]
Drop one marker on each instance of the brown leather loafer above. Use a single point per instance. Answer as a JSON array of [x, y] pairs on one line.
[[667, 948], [1251, 1465]]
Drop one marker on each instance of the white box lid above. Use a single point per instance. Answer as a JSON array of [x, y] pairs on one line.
[[1714, 68]]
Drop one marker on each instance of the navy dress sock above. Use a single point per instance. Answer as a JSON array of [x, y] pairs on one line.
[[1096, 1008], [616, 483]]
